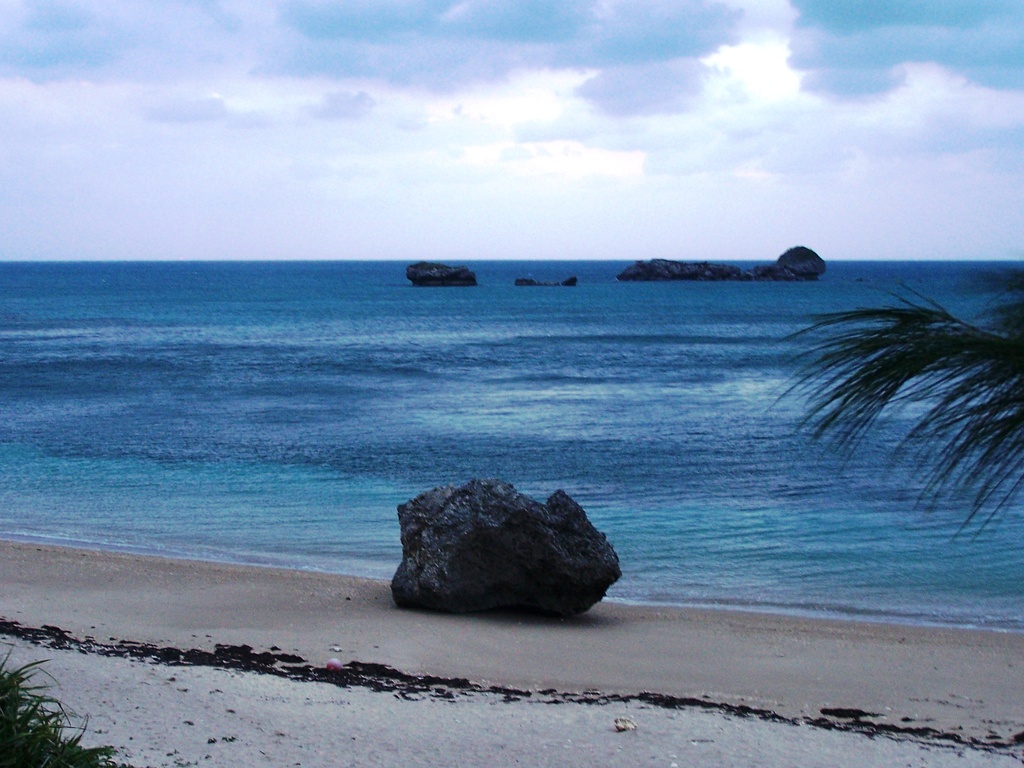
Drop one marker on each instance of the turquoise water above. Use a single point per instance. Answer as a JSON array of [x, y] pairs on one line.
[[277, 413]]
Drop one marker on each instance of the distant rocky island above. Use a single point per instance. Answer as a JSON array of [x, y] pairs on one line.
[[569, 282], [796, 264], [427, 273]]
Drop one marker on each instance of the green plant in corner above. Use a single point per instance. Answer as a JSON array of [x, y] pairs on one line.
[[36, 730], [965, 381]]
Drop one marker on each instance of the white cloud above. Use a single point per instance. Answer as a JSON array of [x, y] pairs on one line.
[[557, 158], [189, 110], [344, 105], [528, 97], [230, 130], [850, 47], [760, 70]]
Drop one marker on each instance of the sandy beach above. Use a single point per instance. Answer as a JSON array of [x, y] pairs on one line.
[[153, 652]]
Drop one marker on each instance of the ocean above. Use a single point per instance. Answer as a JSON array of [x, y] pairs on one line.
[[277, 413]]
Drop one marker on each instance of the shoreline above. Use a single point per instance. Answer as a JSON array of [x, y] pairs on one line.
[[952, 681], [767, 609]]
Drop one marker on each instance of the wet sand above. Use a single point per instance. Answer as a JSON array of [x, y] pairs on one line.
[[940, 692]]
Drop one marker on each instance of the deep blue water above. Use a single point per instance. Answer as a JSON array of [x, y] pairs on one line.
[[277, 413]]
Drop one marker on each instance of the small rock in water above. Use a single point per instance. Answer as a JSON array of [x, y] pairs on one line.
[[432, 274], [624, 724]]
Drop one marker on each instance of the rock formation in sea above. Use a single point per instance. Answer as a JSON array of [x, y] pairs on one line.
[[802, 261], [663, 269], [484, 545], [427, 273], [797, 263], [529, 281]]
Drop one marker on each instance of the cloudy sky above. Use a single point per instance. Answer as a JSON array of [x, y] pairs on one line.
[[601, 129]]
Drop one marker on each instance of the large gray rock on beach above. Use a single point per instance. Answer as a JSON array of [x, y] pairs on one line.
[[427, 273], [485, 545]]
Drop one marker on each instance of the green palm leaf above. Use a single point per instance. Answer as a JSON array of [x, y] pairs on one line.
[[965, 384]]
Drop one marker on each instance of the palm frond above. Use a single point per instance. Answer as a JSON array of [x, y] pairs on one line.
[[968, 380]]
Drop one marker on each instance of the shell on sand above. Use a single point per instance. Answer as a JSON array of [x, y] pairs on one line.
[[624, 724]]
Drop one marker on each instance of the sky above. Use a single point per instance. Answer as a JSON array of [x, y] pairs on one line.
[[719, 130]]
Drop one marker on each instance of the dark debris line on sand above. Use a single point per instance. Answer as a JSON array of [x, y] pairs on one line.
[[381, 678]]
